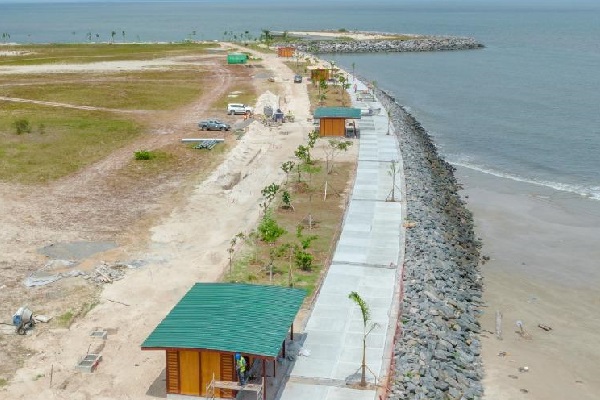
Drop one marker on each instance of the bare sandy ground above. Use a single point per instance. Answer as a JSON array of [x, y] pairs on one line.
[[543, 270], [351, 34], [187, 246]]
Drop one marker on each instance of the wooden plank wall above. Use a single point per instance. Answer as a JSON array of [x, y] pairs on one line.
[[227, 374], [332, 127], [172, 371]]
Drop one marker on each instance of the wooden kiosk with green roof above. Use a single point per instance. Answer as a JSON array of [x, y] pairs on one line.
[[332, 120], [211, 323]]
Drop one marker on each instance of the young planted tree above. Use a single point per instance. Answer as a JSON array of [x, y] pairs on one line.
[[269, 193], [231, 250], [251, 240], [302, 257], [286, 199], [302, 153], [367, 329], [112, 36], [323, 89], [373, 87], [287, 167], [312, 139], [335, 146], [269, 231], [344, 85]]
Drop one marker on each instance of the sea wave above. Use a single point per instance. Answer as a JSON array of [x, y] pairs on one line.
[[589, 192]]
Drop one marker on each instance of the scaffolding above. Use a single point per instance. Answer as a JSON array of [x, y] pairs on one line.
[[250, 387]]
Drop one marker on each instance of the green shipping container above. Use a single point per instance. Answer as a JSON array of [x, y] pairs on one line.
[[237, 58]]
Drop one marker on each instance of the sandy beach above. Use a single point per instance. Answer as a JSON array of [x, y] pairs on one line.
[[542, 270]]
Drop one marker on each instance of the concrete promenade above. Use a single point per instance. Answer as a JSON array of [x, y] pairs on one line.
[[367, 260]]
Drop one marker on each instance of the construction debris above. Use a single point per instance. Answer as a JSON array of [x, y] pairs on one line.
[[42, 318], [99, 334], [522, 332], [89, 363], [544, 327], [103, 273]]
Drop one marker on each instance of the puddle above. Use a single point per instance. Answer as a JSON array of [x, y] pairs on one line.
[[75, 250]]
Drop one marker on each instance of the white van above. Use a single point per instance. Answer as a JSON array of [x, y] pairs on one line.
[[238, 108]]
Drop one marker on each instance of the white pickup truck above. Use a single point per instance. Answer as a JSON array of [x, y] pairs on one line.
[[238, 108]]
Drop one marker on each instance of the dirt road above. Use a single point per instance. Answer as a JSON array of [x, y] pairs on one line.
[[180, 226]]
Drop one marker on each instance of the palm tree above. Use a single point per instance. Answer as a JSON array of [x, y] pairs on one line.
[[266, 36], [366, 315], [112, 35]]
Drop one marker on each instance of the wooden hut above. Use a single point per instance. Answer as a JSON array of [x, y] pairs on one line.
[[285, 51], [319, 74], [332, 120], [211, 323]]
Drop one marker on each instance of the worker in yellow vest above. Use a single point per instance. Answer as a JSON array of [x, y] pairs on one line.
[[240, 367]]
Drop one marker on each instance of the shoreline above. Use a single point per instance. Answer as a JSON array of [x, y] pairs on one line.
[[541, 271], [530, 234], [437, 349]]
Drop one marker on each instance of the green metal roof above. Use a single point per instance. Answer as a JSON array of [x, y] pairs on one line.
[[250, 319], [337, 112]]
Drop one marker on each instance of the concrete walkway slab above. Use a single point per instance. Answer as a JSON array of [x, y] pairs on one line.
[[366, 261]]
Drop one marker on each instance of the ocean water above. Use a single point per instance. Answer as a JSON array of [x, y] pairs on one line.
[[527, 107]]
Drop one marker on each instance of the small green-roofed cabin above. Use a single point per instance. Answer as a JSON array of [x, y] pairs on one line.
[[319, 74], [237, 58], [211, 323], [332, 120]]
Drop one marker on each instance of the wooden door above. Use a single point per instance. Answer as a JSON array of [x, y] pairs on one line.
[[189, 368], [332, 127], [210, 365]]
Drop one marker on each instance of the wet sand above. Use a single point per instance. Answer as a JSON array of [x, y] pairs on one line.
[[544, 249]]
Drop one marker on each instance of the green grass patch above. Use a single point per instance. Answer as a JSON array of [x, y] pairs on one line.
[[261, 48], [242, 92], [141, 90], [61, 141], [65, 320], [3, 382], [87, 307], [91, 52], [260, 262], [299, 67]]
